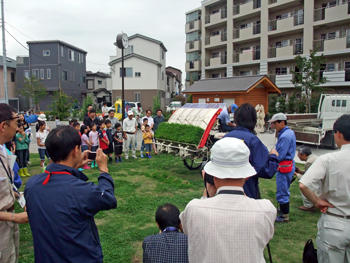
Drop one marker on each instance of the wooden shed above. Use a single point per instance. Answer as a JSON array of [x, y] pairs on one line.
[[239, 90]]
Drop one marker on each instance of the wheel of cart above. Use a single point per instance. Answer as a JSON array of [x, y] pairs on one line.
[[200, 115]]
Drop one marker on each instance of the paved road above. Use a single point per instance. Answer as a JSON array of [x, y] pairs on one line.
[[268, 139]]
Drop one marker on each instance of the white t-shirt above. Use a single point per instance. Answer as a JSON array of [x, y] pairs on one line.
[[104, 110], [42, 136], [150, 121]]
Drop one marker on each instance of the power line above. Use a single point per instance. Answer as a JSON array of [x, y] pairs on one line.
[[18, 30]]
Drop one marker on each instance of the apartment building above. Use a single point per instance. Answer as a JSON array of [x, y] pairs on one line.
[[11, 82], [226, 38], [59, 65]]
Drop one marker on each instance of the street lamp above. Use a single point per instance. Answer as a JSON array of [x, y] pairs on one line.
[[122, 42]]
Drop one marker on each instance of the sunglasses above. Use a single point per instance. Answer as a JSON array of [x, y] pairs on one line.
[[17, 117]]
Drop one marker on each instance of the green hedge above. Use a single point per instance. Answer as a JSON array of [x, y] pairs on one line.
[[179, 133]]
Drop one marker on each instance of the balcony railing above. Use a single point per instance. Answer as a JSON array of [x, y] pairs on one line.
[[286, 50], [319, 44], [223, 15], [298, 19], [320, 13], [272, 2], [246, 55], [256, 29], [223, 38], [235, 33], [236, 6]]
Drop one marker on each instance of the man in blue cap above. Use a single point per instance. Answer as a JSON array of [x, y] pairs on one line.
[[224, 118]]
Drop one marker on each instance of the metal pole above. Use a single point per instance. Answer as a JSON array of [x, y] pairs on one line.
[[123, 98], [4, 52]]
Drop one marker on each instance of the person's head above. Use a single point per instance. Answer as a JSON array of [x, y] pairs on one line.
[[42, 125], [83, 129], [341, 129], [108, 124], [278, 121], [89, 107], [76, 125], [159, 112], [20, 128], [245, 116], [229, 163], [145, 121], [57, 118], [304, 152], [102, 124], [72, 121], [168, 216], [148, 113], [130, 114], [118, 126], [105, 103], [21, 117], [92, 113], [63, 144], [93, 127], [111, 113], [42, 117], [147, 128], [232, 108]]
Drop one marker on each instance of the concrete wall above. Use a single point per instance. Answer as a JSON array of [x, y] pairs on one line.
[[11, 85]]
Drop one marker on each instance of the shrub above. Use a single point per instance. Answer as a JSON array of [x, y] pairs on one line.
[[179, 133]]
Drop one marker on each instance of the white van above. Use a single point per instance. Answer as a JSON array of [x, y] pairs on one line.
[[173, 106]]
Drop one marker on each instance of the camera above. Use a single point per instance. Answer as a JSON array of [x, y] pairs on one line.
[[92, 155], [208, 179]]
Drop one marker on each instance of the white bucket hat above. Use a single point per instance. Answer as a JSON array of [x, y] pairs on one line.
[[42, 117], [130, 112], [229, 160]]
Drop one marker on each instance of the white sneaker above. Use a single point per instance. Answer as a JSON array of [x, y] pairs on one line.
[[134, 157], [126, 157]]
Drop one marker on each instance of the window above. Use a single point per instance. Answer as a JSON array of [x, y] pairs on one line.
[[62, 51], [129, 50], [283, 43], [246, 49], [82, 58], [64, 75], [46, 53], [138, 74], [347, 71], [48, 73], [162, 75], [73, 75], [192, 36], [339, 102], [99, 82], [78, 57], [281, 71], [70, 55], [244, 73], [215, 75], [83, 79], [215, 33], [162, 54], [215, 54], [42, 73], [127, 72], [26, 74], [137, 96], [35, 73], [12, 77], [330, 67]]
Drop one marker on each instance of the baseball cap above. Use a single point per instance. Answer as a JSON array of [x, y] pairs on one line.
[[234, 107], [130, 112], [278, 117], [229, 159], [42, 117]]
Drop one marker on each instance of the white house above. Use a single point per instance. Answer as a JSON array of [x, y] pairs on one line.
[[145, 74]]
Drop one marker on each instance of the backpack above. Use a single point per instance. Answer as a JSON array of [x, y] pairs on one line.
[[310, 253]]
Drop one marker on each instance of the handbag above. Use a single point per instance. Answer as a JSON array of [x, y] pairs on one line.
[[310, 253], [285, 166]]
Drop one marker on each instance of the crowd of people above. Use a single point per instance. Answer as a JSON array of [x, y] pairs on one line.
[[229, 223]]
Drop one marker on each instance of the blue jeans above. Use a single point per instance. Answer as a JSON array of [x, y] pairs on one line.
[[227, 128], [42, 153], [84, 148], [148, 147], [142, 146]]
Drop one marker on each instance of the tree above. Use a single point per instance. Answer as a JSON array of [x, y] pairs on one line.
[[307, 78], [156, 104], [88, 100], [34, 91], [61, 105], [180, 98]]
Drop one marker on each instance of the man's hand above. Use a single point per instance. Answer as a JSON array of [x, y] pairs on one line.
[[323, 205], [20, 218], [273, 151], [101, 161], [125, 137], [297, 170], [84, 159]]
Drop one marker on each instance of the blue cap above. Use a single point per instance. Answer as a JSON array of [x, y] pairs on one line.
[[234, 107]]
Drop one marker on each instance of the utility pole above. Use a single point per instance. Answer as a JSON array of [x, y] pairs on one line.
[[4, 52]]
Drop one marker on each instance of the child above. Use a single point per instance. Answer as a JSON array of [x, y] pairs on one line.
[[118, 142], [76, 125], [144, 123], [102, 134], [22, 145], [40, 138], [147, 138], [58, 123], [85, 143], [110, 139], [93, 137]]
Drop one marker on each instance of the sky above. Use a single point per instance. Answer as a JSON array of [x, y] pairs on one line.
[[94, 25]]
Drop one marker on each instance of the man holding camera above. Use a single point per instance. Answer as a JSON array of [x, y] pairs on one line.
[[228, 226], [61, 205]]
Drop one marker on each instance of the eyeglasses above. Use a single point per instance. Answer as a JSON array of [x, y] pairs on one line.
[[16, 117]]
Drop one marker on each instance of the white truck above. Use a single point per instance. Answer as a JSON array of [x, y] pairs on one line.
[[317, 128]]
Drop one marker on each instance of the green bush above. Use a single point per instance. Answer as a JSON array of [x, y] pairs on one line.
[[179, 133], [87, 101]]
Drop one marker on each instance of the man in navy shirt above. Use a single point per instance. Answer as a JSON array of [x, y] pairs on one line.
[[286, 147], [264, 163], [61, 205], [169, 245]]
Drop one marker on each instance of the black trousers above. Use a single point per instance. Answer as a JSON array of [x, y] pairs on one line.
[[22, 156]]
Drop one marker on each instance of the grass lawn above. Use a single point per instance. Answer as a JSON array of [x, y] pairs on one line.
[[142, 185]]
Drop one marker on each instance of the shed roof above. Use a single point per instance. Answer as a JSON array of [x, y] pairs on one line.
[[10, 63], [231, 84]]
